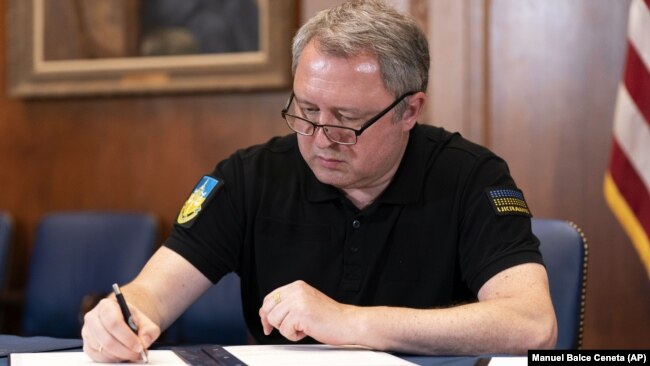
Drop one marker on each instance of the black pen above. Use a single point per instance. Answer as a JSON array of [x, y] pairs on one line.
[[127, 316]]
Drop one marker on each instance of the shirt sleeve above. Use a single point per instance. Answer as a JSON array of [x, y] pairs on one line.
[[496, 230], [211, 242]]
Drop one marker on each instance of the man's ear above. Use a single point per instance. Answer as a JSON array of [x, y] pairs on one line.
[[412, 111]]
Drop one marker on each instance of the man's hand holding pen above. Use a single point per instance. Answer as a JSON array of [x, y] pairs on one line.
[[128, 318], [109, 338]]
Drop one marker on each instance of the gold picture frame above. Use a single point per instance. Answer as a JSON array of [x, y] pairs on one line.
[[30, 74]]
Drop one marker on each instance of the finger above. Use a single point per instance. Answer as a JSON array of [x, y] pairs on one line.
[[290, 328], [266, 326], [118, 340], [148, 331], [92, 348], [272, 319], [94, 337], [270, 301], [97, 354], [278, 315]]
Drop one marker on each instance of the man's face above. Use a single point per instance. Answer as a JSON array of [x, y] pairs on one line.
[[339, 91]]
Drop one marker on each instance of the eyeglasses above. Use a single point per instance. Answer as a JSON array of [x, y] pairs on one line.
[[338, 134]]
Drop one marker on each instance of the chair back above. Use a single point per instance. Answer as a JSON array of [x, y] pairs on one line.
[[6, 226], [77, 254], [565, 252], [215, 318]]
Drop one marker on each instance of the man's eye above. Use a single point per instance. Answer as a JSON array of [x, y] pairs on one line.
[[348, 119], [310, 111]]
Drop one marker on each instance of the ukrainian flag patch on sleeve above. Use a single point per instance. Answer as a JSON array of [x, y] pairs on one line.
[[200, 197], [508, 201]]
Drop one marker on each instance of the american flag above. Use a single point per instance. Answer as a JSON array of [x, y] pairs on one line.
[[627, 181]]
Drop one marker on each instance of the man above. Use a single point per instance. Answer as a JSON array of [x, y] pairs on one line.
[[364, 227]]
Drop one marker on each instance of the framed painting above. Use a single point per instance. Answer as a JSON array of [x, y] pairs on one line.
[[59, 48]]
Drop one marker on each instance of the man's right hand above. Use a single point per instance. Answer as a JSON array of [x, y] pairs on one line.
[[107, 337]]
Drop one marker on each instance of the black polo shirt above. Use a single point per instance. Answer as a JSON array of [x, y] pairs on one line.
[[450, 220]]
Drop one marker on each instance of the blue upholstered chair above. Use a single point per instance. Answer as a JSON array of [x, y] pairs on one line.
[[77, 254], [6, 226], [565, 252], [215, 318]]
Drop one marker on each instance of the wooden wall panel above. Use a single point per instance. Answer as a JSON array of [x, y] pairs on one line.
[[127, 154], [456, 92], [132, 153]]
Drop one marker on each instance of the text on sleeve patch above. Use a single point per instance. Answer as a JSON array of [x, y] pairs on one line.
[[507, 201]]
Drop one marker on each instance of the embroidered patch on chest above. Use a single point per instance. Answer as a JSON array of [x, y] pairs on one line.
[[201, 195], [507, 201]]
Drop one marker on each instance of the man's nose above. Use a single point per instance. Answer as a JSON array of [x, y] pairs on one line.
[[320, 138]]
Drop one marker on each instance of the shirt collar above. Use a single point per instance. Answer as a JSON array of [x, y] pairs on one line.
[[406, 186]]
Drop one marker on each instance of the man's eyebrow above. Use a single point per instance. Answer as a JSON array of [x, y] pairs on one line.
[[338, 109], [302, 101]]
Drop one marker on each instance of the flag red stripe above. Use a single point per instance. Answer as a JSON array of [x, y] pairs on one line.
[[627, 190], [637, 81], [630, 185]]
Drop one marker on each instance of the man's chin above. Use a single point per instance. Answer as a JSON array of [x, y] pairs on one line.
[[335, 179]]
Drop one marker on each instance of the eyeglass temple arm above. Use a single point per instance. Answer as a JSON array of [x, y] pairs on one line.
[[286, 107], [380, 114]]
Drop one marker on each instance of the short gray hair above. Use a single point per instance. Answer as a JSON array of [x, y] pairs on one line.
[[360, 26]]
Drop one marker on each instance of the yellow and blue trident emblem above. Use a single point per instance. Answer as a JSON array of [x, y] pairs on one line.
[[202, 192]]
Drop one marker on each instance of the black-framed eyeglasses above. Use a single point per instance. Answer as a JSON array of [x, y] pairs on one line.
[[338, 134]]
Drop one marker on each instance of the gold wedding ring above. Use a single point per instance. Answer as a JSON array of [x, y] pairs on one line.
[[276, 297]]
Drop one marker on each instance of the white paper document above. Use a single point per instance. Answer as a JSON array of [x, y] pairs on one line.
[[156, 357], [268, 355], [312, 355], [508, 361]]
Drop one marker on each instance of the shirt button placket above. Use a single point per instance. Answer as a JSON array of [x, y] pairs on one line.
[[352, 259], [356, 224]]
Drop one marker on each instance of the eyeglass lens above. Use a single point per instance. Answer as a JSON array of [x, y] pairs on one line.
[[336, 134]]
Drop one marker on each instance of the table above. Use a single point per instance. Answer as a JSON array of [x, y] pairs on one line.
[[37, 344]]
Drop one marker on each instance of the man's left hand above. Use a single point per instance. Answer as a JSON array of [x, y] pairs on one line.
[[298, 310]]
